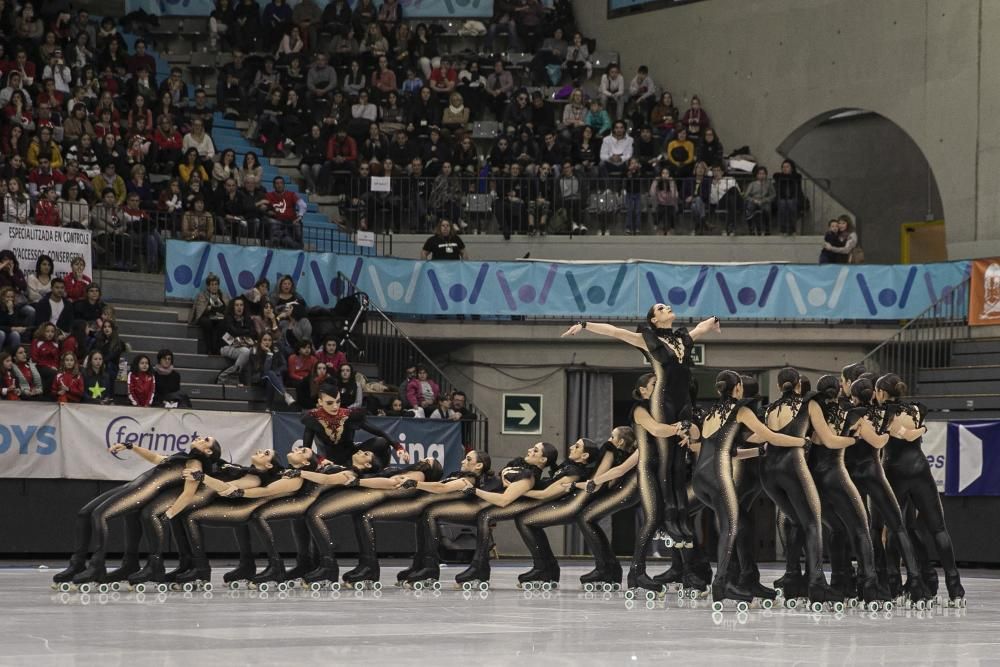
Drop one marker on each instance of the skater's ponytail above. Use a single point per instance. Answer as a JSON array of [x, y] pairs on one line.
[[593, 451], [551, 455], [829, 387], [640, 383], [751, 388], [892, 384], [788, 379], [484, 458]]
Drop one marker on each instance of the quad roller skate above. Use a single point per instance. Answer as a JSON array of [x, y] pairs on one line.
[[641, 585], [364, 577], [63, 581], [766, 596], [244, 572], [149, 577], [916, 594], [872, 597], [403, 575], [544, 578], [183, 565], [930, 577], [724, 590], [303, 566], [92, 578], [198, 578], [673, 532], [694, 582], [792, 588], [273, 576], [326, 575], [428, 576], [605, 577], [956, 592], [475, 577], [821, 597], [672, 576]]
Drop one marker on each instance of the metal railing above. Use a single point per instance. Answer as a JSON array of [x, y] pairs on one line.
[[501, 203], [382, 342], [926, 340]]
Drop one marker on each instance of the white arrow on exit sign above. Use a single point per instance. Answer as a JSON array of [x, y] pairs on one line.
[[526, 414]]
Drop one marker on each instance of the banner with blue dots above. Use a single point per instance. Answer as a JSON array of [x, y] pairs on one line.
[[571, 289]]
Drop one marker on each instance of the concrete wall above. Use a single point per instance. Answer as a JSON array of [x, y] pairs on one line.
[[487, 360], [764, 68]]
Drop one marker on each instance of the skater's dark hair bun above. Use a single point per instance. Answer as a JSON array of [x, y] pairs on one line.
[[868, 375], [891, 384], [484, 458], [863, 390], [788, 378], [593, 451], [551, 455], [751, 388], [628, 435], [640, 383], [829, 387], [726, 382], [853, 371], [806, 385], [433, 472]]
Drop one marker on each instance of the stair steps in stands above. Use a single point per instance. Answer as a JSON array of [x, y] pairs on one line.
[[969, 387]]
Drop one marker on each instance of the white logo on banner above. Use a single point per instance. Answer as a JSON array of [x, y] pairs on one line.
[[970, 458], [935, 446]]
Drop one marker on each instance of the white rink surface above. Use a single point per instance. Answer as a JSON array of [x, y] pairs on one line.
[[505, 626]]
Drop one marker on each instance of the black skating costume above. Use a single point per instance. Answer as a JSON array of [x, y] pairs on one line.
[[333, 435]]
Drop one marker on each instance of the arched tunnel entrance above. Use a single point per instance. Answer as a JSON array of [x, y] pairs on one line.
[[874, 170]]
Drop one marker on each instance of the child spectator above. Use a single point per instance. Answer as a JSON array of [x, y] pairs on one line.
[[832, 238], [421, 391], [330, 355], [351, 393], [10, 389], [98, 385], [68, 384], [318, 376], [110, 345], [45, 353], [267, 363], [77, 280], [141, 383], [28, 377], [299, 365]]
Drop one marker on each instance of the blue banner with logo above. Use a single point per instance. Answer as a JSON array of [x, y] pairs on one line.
[[411, 8], [973, 459], [436, 438], [578, 289]]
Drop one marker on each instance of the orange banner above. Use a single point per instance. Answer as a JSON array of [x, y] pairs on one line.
[[984, 292]]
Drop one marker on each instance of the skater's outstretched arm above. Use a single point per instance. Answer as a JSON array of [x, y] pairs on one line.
[[191, 485], [509, 495], [655, 428], [342, 478], [633, 338], [614, 473], [152, 457], [705, 327]]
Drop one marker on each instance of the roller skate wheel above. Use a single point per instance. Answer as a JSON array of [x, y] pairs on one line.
[[546, 586], [692, 594], [484, 585], [207, 587], [316, 586], [792, 603], [376, 585], [65, 587], [669, 543], [717, 605], [234, 585], [779, 591], [766, 603], [889, 605], [650, 595], [588, 587], [920, 605], [629, 594], [817, 606], [335, 586], [104, 588], [282, 587], [608, 587], [418, 585], [742, 606], [140, 588], [116, 586], [838, 607], [86, 588], [436, 586], [264, 587], [872, 606], [466, 586], [162, 588]]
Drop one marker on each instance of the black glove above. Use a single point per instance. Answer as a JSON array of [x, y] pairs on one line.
[[291, 473], [239, 493], [409, 484], [591, 486], [353, 483], [197, 475], [469, 491]]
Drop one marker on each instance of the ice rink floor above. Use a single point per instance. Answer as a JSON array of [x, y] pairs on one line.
[[504, 626]]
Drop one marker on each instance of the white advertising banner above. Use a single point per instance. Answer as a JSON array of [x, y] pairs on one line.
[[935, 446], [62, 244], [89, 430], [30, 443]]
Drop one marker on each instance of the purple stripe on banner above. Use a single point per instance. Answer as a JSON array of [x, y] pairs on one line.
[[438, 292], [654, 287], [910, 277], [726, 296], [268, 258], [227, 275], [505, 288], [865, 292], [575, 289], [550, 278], [929, 282], [477, 287], [358, 263], [320, 283], [698, 284], [772, 275], [617, 285], [299, 262], [202, 263]]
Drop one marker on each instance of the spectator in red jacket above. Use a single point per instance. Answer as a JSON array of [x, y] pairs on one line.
[[331, 356], [300, 365], [285, 210], [141, 383], [422, 392], [45, 353], [342, 158], [47, 211], [68, 385], [169, 142], [77, 280]]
